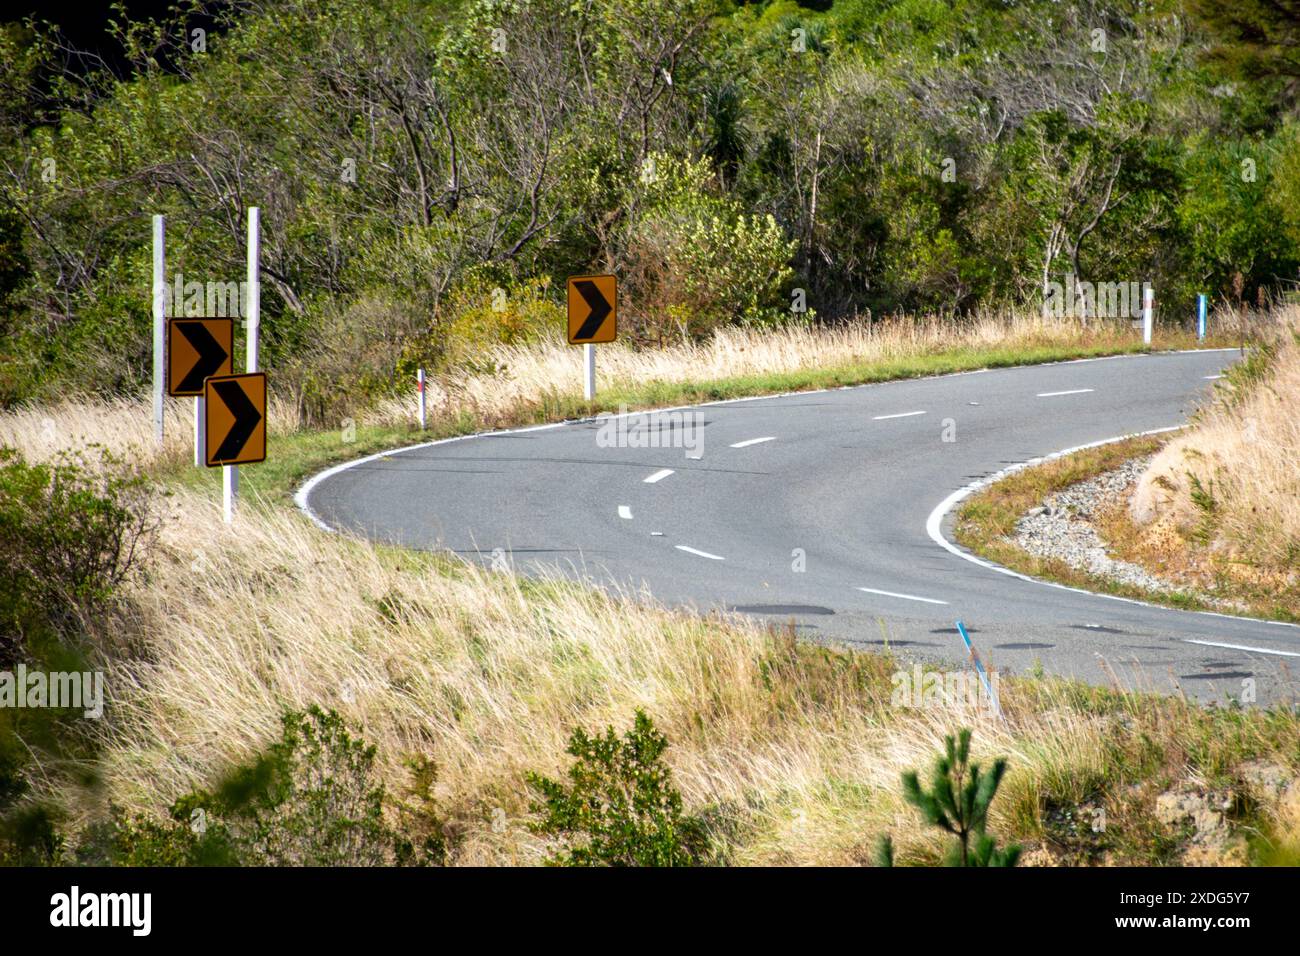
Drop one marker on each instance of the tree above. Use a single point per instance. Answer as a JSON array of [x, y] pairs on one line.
[[958, 802], [1253, 38]]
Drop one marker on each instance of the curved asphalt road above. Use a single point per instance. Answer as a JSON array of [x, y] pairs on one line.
[[847, 478]]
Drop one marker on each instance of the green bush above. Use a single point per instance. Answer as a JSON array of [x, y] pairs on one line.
[[71, 532], [696, 260], [484, 312], [312, 799], [958, 803], [619, 807]]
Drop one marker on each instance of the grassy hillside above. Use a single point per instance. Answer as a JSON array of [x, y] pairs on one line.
[[1220, 504], [791, 753]]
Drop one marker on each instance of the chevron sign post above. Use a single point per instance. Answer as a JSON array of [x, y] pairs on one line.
[[197, 348], [236, 419], [593, 318]]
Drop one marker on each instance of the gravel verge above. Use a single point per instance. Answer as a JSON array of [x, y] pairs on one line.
[[1062, 528]]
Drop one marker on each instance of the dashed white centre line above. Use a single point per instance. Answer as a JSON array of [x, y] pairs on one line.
[[753, 441], [702, 554], [1071, 391], [625, 512], [905, 597], [881, 418], [1242, 647], [659, 476]]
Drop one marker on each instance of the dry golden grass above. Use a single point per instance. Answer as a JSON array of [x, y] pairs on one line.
[[122, 425], [528, 374], [800, 747], [1229, 488], [488, 676], [552, 366]]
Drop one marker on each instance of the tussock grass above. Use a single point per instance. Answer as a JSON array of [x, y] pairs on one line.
[[736, 362], [793, 751], [1222, 501], [796, 749], [541, 381], [122, 425]]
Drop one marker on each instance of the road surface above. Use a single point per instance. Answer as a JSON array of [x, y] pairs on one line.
[[828, 509]]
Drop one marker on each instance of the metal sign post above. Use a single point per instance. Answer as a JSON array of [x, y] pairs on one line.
[[159, 321], [419, 387], [593, 317], [252, 319]]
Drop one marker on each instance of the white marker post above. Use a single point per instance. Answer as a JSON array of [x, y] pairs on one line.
[[159, 322], [200, 430], [1148, 313], [589, 372], [1201, 307], [419, 387], [252, 321]]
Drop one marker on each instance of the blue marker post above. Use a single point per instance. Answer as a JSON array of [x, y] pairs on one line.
[[1200, 317], [979, 667]]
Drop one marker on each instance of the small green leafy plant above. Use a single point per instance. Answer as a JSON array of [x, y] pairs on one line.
[[619, 807], [312, 799], [958, 802]]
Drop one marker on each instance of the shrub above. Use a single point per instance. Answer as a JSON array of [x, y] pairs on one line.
[[696, 261], [484, 312], [27, 834], [619, 808], [350, 357], [70, 534], [310, 800], [958, 802]]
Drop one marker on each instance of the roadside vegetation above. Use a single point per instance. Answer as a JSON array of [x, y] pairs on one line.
[[542, 382], [1216, 512], [1220, 504], [471, 684], [792, 198], [737, 166]]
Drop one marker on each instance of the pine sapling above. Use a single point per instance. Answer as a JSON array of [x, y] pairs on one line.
[[957, 802]]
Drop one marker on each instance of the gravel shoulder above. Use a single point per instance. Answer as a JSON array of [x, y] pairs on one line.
[[1062, 527]]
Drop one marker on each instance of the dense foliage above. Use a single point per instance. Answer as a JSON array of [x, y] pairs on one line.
[[619, 807], [72, 531], [70, 534], [430, 170], [312, 798]]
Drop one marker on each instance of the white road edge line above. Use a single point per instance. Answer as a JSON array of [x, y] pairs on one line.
[[658, 476], [1211, 378], [753, 441], [303, 495], [1242, 647], [905, 597], [702, 554], [625, 512], [934, 528], [881, 418], [1071, 391]]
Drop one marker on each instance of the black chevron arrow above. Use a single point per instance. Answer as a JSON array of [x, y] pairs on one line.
[[211, 355], [599, 306], [246, 418]]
